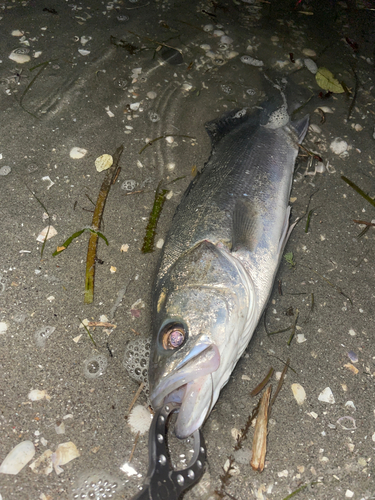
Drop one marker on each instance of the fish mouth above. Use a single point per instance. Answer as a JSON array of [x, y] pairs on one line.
[[190, 383]]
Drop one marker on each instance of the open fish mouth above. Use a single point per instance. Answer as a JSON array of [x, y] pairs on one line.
[[190, 384]]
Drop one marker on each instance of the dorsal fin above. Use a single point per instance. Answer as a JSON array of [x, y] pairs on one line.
[[220, 127]]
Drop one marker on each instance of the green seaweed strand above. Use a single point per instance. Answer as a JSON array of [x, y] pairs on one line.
[[148, 242]]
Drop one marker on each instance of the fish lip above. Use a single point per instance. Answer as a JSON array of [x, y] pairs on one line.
[[182, 375]]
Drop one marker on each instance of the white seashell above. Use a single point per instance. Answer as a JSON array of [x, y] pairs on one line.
[[218, 33], [84, 52], [17, 33], [187, 86], [311, 66], [251, 61], [77, 153], [274, 38], [135, 106], [48, 231], [5, 170], [17, 458], [76, 339], [103, 162], [128, 469], [37, 54], [226, 39], [208, 27], [350, 404], [3, 327], [283, 473], [357, 127], [43, 464], [299, 393], [232, 54], [301, 338], [281, 64], [65, 453], [309, 53], [124, 247], [338, 146], [19, 58], [326, 396], [319, 167], [60, 428], [160, 243], [85, 40], [151, 95], [109, 112], [139, 419], [315, 128], [205, 46], [48, 179], [36, 395], [325, 109]]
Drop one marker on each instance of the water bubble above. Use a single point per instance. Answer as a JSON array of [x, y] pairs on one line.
[[226, 89], [251, 61], [154, 117], [96, 488], [21, 50], [31, 168], [136, 358], [2, 284], [121, 83], [129, 185], [95, 366], [162, 460], [42, 335]]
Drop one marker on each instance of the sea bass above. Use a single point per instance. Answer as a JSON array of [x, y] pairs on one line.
[[220, 259]]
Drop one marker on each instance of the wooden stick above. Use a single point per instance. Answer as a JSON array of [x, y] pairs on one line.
[[140, 389], [134, 445], [260, 433]]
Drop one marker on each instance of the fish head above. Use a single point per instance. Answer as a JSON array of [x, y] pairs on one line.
[[199, 314]]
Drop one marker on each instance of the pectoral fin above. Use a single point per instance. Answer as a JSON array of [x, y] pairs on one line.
[[247, 225]]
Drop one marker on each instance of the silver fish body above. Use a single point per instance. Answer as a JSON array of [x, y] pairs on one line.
[[220, 260]]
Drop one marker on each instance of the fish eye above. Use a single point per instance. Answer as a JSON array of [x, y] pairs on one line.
[[173, 336]]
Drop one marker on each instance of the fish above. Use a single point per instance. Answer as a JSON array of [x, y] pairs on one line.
[[220, 259]]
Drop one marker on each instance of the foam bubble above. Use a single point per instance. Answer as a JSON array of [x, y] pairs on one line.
[[42, 335], [95, 366], [99, 485], [136, 358]]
